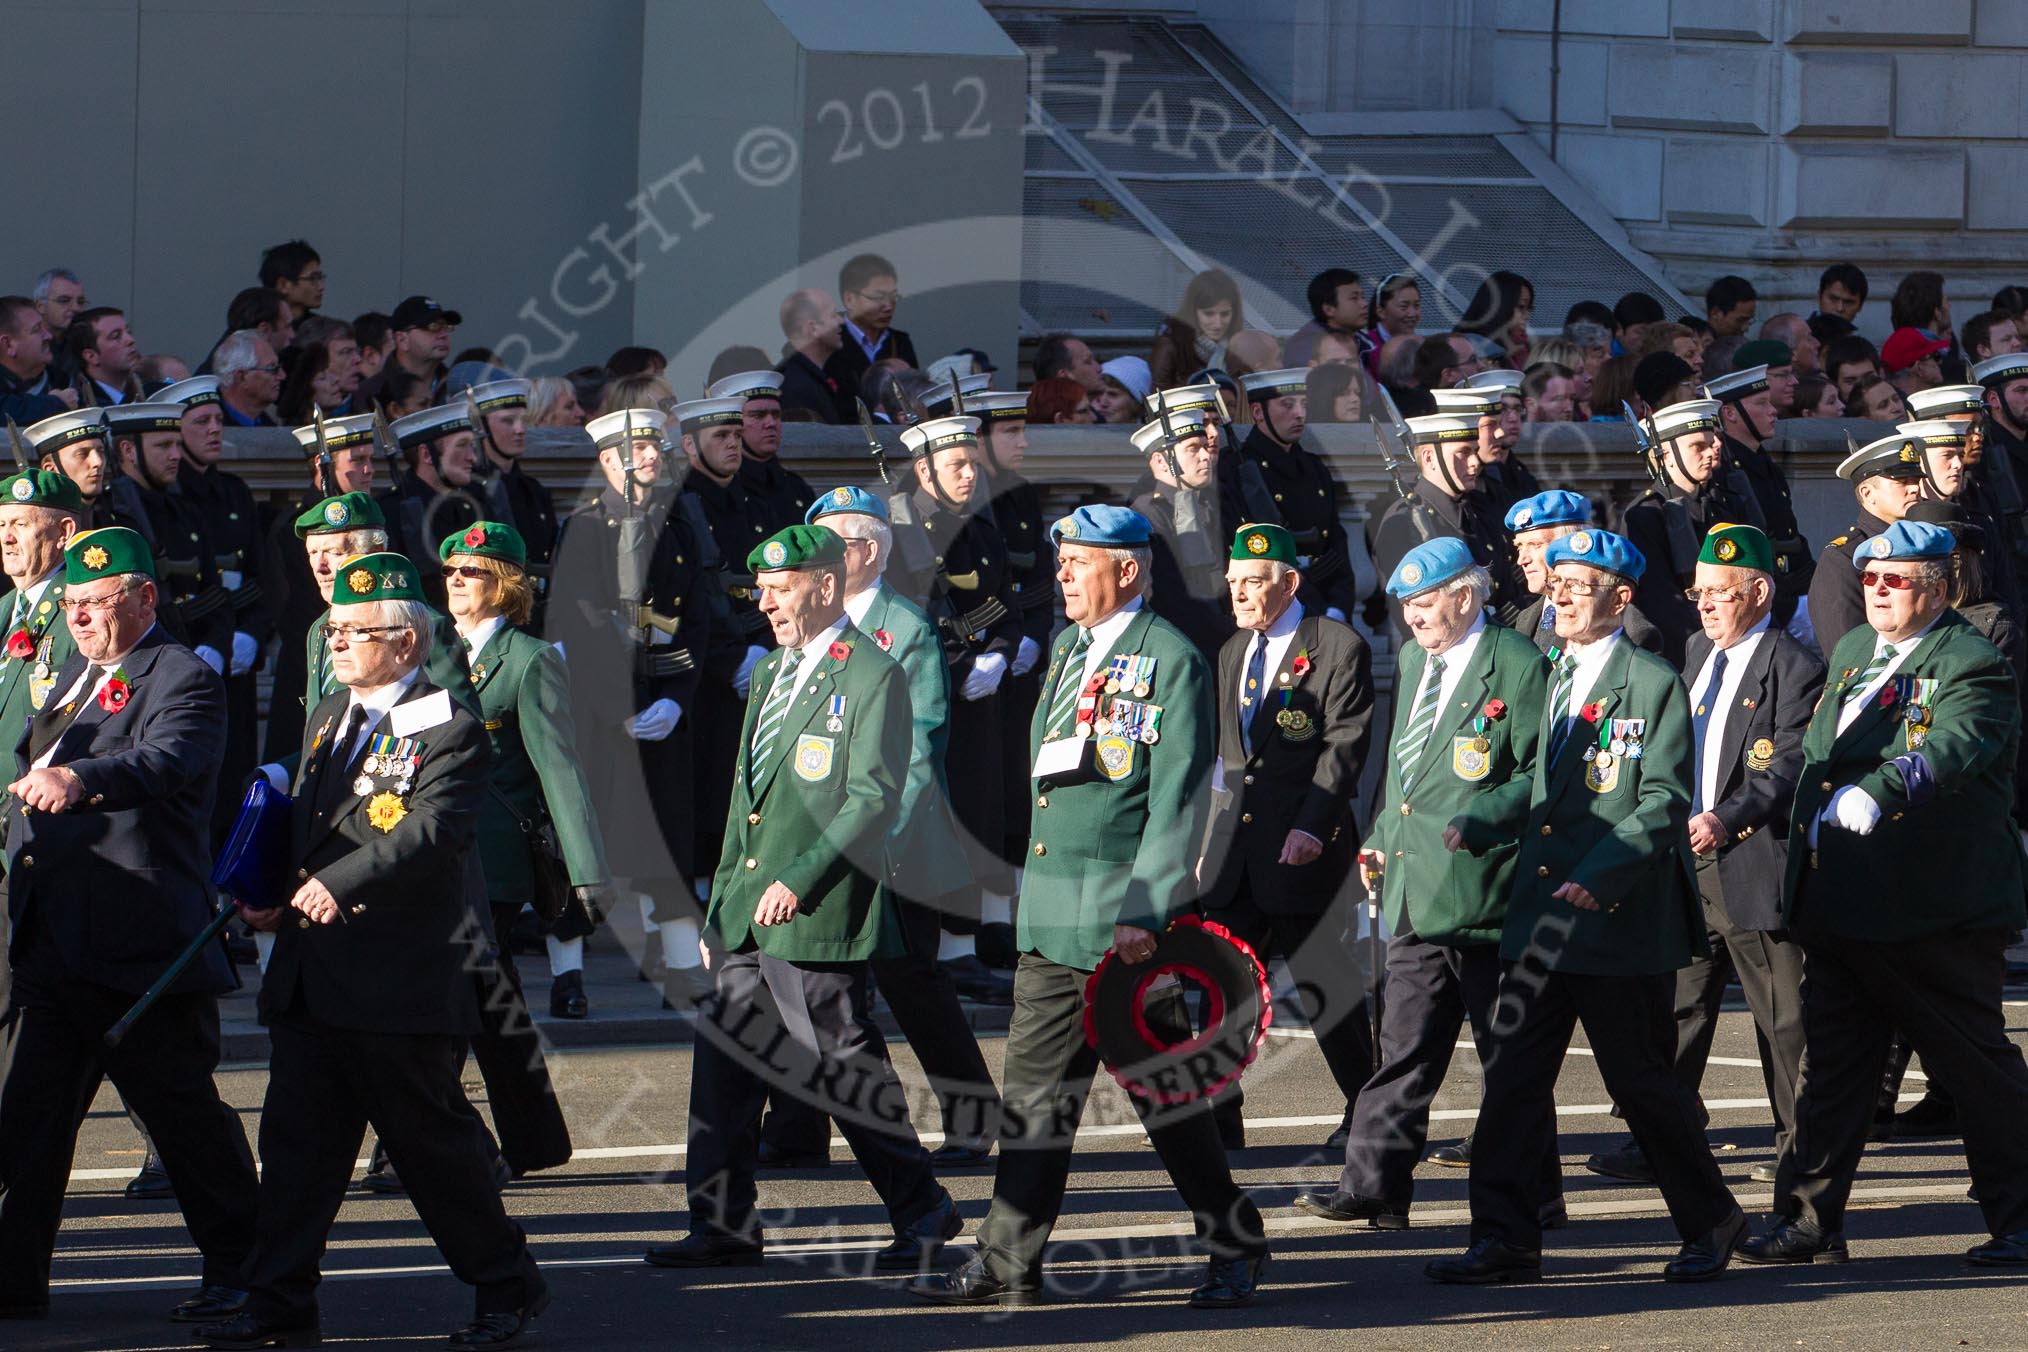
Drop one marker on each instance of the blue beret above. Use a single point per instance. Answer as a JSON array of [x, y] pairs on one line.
[[1557, 507], [1906, 540], [855, 500], [1102, 525], [1430, 564], [1597, 549]]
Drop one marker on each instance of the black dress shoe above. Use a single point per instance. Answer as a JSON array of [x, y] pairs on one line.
[[246, 1331], [1490, 1259], [1702, 1259], [1624, 1162], [774, 1157], [501, 1327], [1333, 1204], [1794, 1240], [2000, 1251], [1930, 1117], [1229, 1282], [211, 1305], [152, 1183], [1762, 1173], [959, 1153], [1552, 1215], [979, 983], [971, 1284], [567, 998], [916, 1248], [1457, 1155], [701, 1248]]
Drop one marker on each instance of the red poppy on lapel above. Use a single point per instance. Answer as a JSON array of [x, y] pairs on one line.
[[840, 651], [1301, 666], [114, 696], [19, 644], [884, 639], [1495, 708], [1590, 712]]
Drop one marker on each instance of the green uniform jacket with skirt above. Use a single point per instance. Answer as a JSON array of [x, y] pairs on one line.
[[1622, 834], [925, 858], [1952, 863], [1460, 897], [1108, 850], [524, 698], [817, 817]]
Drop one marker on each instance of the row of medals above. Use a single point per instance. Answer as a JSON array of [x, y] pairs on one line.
[[375, 765], [1603, 757], [1136, 729]]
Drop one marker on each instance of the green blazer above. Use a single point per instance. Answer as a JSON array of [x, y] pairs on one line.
[[1120, 851], [1954, 861], [1622, 836], [817, 816], [26, 683], [1460, 897], [924, 857], [524, 698]]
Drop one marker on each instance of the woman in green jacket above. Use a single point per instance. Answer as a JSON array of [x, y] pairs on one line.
[[525, 700]]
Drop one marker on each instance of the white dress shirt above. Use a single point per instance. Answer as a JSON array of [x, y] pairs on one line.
[[858, 603], [1591, 660], [1455, 659], [377, 702], [1737, 658], [813, 651], [482, 634], [1104, 635]]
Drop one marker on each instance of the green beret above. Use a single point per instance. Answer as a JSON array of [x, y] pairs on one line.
[[43, 488], [797, 547], [375, 577], [106, 552], [1734, 546], [1257, 540], [487, 540], [335, 516], [1763, 352]]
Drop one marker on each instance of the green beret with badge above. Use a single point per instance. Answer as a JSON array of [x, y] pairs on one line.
[[365, 578], [43, 488], [110, 551], [1264, 540], [487, 540], [1731, 545], [340, 514], [797, 547]]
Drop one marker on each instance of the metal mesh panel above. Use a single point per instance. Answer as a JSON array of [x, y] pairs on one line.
[[1044, 153], [1418, 156], [1086, 264]]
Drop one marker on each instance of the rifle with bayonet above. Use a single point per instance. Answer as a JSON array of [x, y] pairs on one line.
[[18, 444]]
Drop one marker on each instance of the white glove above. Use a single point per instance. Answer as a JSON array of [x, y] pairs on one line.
[[1026, 656], [655, 722], [246, 651], [1334, 613], [743, 678], [1854, 809], [988, 670], [211, 657], [277, 777]]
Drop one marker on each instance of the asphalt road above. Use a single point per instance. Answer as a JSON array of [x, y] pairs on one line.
[[1122, 1261]]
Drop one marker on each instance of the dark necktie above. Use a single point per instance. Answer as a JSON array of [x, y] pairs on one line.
[[1700, 721], [1249, 700], [339, 756]]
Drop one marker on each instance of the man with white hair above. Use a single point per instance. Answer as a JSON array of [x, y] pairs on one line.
[[1533, 524], [367, 998], [249, 378]]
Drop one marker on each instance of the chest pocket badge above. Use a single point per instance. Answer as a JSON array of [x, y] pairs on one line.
[[1115, 757], [813, 757], [1471, 757], [1602, 772], [1760, 755]]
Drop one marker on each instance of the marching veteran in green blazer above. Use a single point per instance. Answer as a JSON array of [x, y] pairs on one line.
[[524, 699], [1904, 885], [797, 909], [39, 512], [1454, 797], [1122, 747], [1603, 911]]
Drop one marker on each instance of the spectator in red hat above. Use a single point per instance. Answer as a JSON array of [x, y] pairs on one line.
[[1910, 358]]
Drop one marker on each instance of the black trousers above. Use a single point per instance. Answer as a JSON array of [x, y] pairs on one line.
[[1943, 992], [1628, 1021], [324, 1085], [242, 750], [772, 1021], [925, 1005], [1770, 971], [1048, 1077], [163, 1070], [526, 1115], [1327, 983], [1018, 696], [976, 754], [1432, 990]]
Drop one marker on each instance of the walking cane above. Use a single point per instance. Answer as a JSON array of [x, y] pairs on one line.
[[1375, 861]]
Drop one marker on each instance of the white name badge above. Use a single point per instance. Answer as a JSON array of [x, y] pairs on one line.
[[420, 715], [1064, 756]]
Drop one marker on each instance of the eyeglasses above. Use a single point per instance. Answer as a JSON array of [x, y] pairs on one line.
[[311, 277], [97, 605], [1723, 596], [273, 368], [356, 633], [880, 297], [437, 326], [465, 570], [1563, 586], [1891, 581]]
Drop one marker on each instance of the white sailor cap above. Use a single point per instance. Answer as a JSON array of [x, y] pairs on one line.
[[1934, 433], [1994, 372], [191, 393], [997, 406], [937, 400], [1897, 456], [747, 385], [1737, 385], [134, 417], [1185, 398], [931, 435], [1263, 385], [1148, 437], [494, 395], [695, 414], [610, 429], [1944, 400], [1681, 419], [431, 423], [1479, 402], [1432, 429], [339, 433], [67, 429], [1499, 378]]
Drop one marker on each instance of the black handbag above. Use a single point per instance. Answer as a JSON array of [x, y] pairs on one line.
[[549, 879]]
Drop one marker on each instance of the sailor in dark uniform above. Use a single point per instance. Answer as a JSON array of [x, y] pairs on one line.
[[148, 443], [1280, 481], [510, 493], [437, 495], [1746, 419], [785, 494], [1446, 500], [1886, 478], [1189, 539]]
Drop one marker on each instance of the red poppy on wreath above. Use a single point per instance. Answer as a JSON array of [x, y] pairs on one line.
[[884, 639], [1590, 712], [114, 695], [1495, 708], [1301, 666], [19, 644], [475, 537], [840, 651]]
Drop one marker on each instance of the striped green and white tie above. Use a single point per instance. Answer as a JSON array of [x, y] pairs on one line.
[[327, 677], [773, 711], [1873, 669], [1559, 705], [1063, 705], [1414, 738]]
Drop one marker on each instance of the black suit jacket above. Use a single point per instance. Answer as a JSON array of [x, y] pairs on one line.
[[398, 961], [122, 882], [1760, 755], [1304, 781], [848, 365], [805, 386]]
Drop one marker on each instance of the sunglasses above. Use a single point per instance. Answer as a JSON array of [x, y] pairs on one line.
[[466, 571], [1893, 581]]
